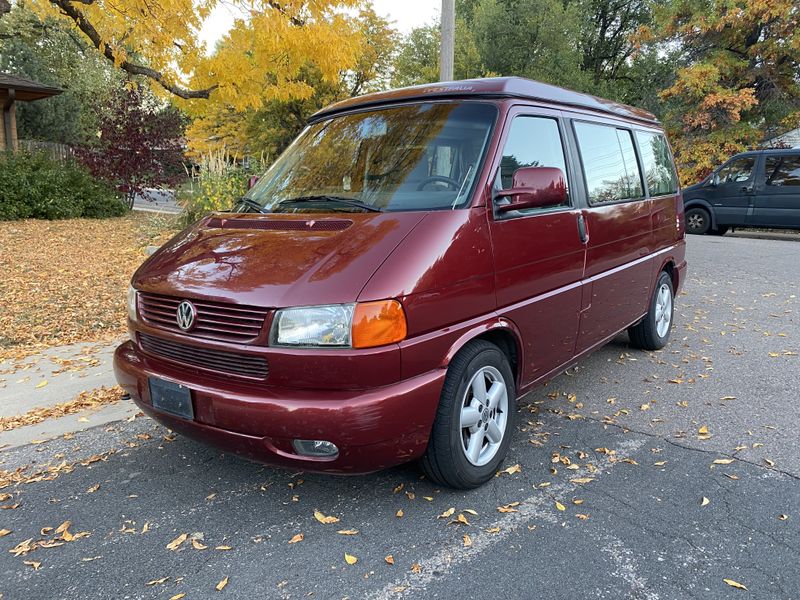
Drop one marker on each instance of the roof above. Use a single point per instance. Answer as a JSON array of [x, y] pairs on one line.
[[25, 89], [494, 87]]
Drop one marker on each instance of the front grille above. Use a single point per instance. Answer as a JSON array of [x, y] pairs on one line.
[[218, 361], [215, 320]]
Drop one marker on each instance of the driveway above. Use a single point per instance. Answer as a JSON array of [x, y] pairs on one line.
[[641, 475], [156, 200]]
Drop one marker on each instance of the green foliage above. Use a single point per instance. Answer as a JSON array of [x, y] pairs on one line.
[[219, 183], [52, 53], [33, 186]]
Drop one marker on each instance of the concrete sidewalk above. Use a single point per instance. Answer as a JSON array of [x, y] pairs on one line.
[[54, 376]]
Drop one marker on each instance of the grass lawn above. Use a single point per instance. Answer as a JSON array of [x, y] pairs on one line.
[[65, 281]]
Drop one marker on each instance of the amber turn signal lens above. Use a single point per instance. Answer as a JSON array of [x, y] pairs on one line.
[[378, 323]]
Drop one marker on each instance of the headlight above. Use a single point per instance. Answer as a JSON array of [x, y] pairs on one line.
[[131, 303], [314, 326], [362, 325]]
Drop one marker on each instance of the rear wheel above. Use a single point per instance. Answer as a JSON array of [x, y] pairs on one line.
[[652, 332], [698, 221], [475, 419]]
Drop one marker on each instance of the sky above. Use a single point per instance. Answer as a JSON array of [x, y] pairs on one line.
[[406, 14]]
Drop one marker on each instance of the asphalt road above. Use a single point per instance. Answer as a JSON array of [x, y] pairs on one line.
[[633, 422]]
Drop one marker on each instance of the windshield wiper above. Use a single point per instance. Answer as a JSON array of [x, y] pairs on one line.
[[337, 199], [250, 203]]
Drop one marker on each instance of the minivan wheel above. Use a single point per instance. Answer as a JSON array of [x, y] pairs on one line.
[[652, 332], [475, 419], [698, 221]]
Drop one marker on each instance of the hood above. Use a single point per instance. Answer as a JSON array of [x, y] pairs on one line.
[[275, 260]]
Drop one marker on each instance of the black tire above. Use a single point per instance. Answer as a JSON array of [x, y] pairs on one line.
[[719, 230], [645, 334], [698, 221], [445, 461]]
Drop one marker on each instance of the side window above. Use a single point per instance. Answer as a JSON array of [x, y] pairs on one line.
[[532, 142], [783, 170], [659, 168], [609, 162], [737, 170]]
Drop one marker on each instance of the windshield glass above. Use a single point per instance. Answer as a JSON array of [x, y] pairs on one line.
[[412, 157]]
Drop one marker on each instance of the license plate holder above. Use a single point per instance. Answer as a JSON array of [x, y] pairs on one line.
[[171, 398]]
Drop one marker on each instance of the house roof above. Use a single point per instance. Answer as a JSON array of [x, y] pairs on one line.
[[494, 87], [25, 89]]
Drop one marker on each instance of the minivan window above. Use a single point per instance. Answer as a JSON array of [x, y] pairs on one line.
[[532, 142], [783, 170], [609, 163], [737, 170], [659, 169], [419, 156]]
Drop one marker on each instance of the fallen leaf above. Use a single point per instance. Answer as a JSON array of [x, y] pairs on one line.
[[734, 584], [178, 596], [157, 581], [510, 470], [508, 508], [582, 516], [33, 564], [560, 506], [582, 480], [323, 519], [492, 530], [389, 559], [474, 513], [416, 568], [93, 489], [41, 384], [462, 519], [4, 532], [704, 501], [399, 514], [223, 548], [448, 513], [769, 462], [221, 585], [347, 531], [198, 545], [723, 461], [296, 538], [467, 541], [703, 430], [350, 559], [175, 544], [780, 518]]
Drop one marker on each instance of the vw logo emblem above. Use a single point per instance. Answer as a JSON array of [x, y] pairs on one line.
[[186, 315]]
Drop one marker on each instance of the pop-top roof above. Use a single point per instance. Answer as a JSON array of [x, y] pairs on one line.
[[25, 89], [495, 87]]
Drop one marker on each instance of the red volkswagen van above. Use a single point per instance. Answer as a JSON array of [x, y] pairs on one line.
[[413, 263]]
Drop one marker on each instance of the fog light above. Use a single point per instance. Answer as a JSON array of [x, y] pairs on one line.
[[316, 448]]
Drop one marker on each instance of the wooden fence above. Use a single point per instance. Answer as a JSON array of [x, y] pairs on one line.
[[60, 152]]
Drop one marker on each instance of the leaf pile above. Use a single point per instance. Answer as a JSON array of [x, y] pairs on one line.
[[65, 281]]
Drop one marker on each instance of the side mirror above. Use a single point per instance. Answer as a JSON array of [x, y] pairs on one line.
[[252, 182], [714, 181], [534, 187]]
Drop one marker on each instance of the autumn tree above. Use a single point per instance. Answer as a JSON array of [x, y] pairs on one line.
[[138, 144], [738, 79]]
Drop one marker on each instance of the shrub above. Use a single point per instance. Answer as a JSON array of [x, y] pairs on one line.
[[34, 186], [220, 181]]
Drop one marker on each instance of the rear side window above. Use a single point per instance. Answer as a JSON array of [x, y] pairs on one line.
[[783, 170], [609, 163], [737, 171], [659, 169]]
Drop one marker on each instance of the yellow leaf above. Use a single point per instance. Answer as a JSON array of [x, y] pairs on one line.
[[660, 463], [582, 480], [769, 462], [734, 584], [93, 489], [157, 581], [41, 384], [704, 501], [350, 559], [175, 544], [448, 513], [582, 516], [389, 559], [223, 548], [33, 564], [492, 530], [399, 514], [510, 470], [296, 538], [723, 461], [347, 531], [467, 541], [703, 430], [4, 532], [177, 596], [198, 545], [416, 568], [462, 519], [323, 519], [221, 585], [474, 513], [560, 506]]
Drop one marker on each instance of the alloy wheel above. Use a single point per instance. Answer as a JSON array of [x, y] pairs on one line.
[[484, 416]]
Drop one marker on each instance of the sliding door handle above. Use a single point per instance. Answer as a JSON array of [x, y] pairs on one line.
[[582, 230]]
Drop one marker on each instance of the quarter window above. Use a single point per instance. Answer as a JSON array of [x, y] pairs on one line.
[[783, 170], [532, 142], [737, 170], [659, 169], [609, 163]]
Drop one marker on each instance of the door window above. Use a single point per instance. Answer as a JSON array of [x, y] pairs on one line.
[[737, 171], [783, 170], [532, 142], [609, 163], [659, 168]]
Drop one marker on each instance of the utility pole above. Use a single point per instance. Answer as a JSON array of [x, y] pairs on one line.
[[447, 49]]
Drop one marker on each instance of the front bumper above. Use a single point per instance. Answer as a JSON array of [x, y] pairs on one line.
[[373, 429]]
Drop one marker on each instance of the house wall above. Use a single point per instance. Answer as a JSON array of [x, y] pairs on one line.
[[3, 96]]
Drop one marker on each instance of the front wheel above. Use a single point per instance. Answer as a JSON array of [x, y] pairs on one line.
[[652, 332], [475, 419], [698, 221]]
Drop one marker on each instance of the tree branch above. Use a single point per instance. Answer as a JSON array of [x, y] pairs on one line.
[[90, 32]]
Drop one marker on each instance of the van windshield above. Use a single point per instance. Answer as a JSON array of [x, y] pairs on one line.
[[413, 157]]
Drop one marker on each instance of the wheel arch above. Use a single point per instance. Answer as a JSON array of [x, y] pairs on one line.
[[704, 204], [502, 333]]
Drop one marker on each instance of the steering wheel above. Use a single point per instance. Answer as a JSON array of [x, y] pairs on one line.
[[439, 179]]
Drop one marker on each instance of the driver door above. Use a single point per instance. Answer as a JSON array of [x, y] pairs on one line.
[[732, 195]]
